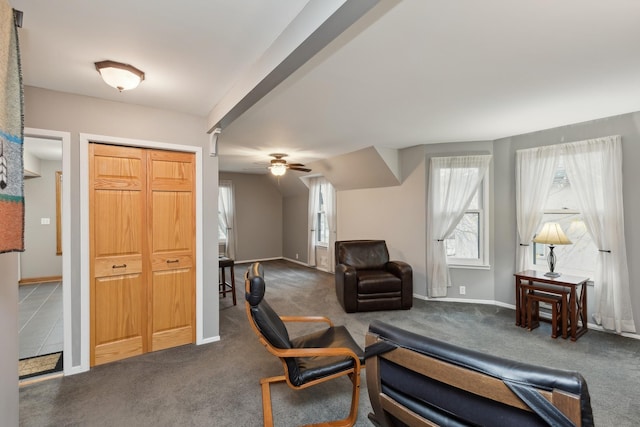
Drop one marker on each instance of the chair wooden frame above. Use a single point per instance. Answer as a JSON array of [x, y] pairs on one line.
[[265, 383], [459, 377]]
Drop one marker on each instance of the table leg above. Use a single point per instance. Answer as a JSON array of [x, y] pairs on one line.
[[565, 318], [518, 303], [224, 284], [582, 311], [233, 284], [573, 313]]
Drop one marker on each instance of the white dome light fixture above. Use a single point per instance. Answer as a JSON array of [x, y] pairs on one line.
[[118, 75], [278, 169]]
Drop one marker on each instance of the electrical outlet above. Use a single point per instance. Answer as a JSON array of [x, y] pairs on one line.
[[463, 290], [296, 256]]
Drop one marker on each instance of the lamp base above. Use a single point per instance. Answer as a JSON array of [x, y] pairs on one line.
[[552, 274]]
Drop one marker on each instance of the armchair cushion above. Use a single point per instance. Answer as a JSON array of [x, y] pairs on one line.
[[363, 254], [311, 368]]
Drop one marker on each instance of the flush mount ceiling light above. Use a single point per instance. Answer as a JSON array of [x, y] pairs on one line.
[[118, 75]]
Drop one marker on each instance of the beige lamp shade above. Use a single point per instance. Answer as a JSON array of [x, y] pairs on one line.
[[552, 234]]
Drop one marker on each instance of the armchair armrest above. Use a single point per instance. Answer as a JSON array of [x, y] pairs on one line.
[[399, 269], [404, 271], [347, 287]]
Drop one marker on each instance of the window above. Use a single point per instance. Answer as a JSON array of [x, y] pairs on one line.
[[226, 219], [579, 258], [224, 194], [467, 244], [322, 230]]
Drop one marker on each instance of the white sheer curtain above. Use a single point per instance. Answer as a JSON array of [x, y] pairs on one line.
[[453, 181], [535, 169], [314, 206], [594, 168], [330, 211], [226, 216]]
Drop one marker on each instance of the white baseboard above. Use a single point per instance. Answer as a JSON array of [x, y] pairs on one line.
[[209, 340], [248, 261], [513, 307], [296, 261], [466, 300]]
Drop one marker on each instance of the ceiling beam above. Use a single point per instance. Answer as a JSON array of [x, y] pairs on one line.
[[317, 25]]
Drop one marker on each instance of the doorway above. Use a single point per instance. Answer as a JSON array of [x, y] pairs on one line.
[[43, 297]]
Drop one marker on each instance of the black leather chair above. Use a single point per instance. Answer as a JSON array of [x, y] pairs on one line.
[[366, 280], [415, 380], [307, 360]]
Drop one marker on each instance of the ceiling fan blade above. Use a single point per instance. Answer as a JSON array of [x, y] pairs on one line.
[[297, 168]]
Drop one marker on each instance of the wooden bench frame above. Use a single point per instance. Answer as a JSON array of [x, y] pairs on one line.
[[466, 379]]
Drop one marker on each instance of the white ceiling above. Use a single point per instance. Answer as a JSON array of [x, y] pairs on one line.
[[408, 72]]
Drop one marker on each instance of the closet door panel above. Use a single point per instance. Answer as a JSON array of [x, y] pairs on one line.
[[118, 292], [171, 228], [172, 312]]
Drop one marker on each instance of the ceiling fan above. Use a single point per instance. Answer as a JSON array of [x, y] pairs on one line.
[[279, 166]]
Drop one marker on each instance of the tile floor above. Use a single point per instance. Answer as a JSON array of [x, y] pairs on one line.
[[40, 319]]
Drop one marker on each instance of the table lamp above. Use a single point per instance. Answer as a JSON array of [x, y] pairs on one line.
[[552, 234]]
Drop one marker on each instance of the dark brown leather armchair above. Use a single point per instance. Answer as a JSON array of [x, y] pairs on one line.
[[367, 281]]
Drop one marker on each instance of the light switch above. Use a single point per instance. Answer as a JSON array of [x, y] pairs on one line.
[[45, 221]]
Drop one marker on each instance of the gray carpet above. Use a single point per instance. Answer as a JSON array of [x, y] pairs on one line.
[[218, 384]]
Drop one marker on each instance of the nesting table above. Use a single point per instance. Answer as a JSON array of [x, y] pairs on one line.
[[571, 288]]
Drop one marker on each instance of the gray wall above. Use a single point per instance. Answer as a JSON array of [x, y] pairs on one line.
[[39, 258], [9, 339], [51, 110], [628, 126], [398, 214], [295, 227], [258, 216]]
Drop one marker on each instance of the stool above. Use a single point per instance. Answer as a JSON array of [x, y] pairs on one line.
[[223, 285], [533, 311]]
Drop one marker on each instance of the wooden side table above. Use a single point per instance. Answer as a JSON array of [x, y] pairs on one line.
[[577, 304], [224, 286]]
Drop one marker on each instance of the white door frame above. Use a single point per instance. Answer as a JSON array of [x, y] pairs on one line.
[[65, 138], [85, 139]]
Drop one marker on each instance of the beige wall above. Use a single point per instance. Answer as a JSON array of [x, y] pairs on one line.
[[58, 111], [39, 258], [394, 214], [258, 216], [295, 227]]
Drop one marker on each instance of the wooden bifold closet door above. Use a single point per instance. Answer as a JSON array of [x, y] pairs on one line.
[[142, 251]]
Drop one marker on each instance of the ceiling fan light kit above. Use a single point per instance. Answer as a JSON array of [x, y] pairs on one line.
[[118, 75], [279, 166], [278, 169]]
